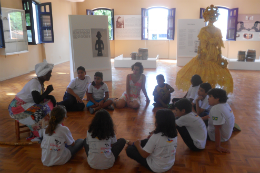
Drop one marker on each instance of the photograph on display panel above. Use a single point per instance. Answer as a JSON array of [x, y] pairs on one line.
[[99, 42], [248, 27]]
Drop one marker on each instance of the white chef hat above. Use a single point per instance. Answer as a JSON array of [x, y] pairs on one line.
[[43, 68]]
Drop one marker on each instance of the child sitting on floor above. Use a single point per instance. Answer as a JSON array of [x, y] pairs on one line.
[[76, 90], [54, 151], [190, 126], [221, 118], [101, 146], [98, 94], [193, 90], [158, 152], [200, 104], [162, 92]]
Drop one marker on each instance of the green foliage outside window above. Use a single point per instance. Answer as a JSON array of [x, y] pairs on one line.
[[16, 21], [109, 14]]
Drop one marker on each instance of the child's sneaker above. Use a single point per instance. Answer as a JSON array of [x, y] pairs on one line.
[[110, 107]]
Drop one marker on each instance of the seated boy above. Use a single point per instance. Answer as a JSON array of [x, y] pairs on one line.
[[98, 94], [75, 92], [221, 118], [200, 104], [162, 92], [190, 126]]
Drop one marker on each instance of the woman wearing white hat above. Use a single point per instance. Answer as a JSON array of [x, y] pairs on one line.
[[32, 105]]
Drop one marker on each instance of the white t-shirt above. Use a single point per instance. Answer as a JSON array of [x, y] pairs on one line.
[[53, 147], [221, 114], [196, 128], [80, 86], [203, 104], [162, 152], [99, 154], [26, 93], [193, 92], [98, 94]]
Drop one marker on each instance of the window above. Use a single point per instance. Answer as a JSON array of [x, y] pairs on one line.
[[227, 22], [39, 22], [105, 12], [158, 23]]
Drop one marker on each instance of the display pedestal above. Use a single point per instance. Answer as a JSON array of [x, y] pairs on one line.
[[120, 61], [234, 64]]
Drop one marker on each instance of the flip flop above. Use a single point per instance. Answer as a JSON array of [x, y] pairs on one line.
[[236, 127]]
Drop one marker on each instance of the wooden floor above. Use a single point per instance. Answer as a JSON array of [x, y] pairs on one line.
[[135, 124]]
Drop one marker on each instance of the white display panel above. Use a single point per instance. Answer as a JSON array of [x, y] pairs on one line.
[[187, 40], [84, 44], [127, 27]]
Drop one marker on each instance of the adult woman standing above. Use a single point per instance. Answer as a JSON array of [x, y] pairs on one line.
[[32, 104], [135, 82], [208, 64]]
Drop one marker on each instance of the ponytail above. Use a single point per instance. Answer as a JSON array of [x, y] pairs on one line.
[[57, 115]]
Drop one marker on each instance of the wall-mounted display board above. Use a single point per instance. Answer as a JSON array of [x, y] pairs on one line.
[[90, 46], [14, 32], [248, 27], [127, 27], [187, 40]]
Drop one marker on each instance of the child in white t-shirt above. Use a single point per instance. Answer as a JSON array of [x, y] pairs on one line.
[[200, 104], [58, 145], [193, 90], [101, 146], [157, 153], [221, 118], [76, 90], [190, 126], [98, 94]]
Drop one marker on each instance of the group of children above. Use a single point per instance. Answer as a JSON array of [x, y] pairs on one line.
[[96, 91], [201, 115]]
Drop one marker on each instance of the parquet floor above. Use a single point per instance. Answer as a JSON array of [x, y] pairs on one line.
[[135, 124]]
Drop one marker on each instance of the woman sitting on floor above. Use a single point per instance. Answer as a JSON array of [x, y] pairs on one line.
[[32, 105], [134, 84]]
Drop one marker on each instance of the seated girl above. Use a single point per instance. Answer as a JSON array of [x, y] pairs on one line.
[[58, 145], [134, 84], [101, 146], [157, 153]]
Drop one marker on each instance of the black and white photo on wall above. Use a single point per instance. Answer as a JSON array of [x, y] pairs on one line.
[[99, 42]]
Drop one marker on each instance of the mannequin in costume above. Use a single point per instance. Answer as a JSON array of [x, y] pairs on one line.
[[208, 63]]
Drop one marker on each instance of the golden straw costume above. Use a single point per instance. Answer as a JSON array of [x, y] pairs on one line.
[[209, 63]]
